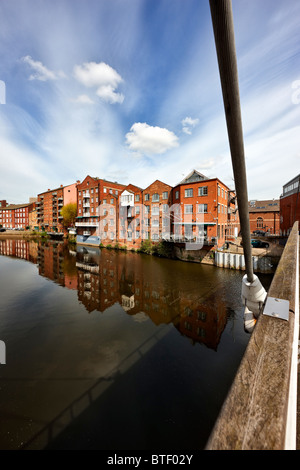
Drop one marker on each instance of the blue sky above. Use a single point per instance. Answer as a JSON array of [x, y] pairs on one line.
[[129, 90]]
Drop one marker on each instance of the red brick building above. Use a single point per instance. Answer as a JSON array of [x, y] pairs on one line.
[[197, 209], [201, 210], [290, 205], [97, 210], [130, 216], [49, 205], [264, 216], [156, 222], [15, 216]]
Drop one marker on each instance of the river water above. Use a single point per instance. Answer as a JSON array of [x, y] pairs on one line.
[[114, 350]]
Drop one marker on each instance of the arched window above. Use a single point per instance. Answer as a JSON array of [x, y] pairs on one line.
[[259, 222]]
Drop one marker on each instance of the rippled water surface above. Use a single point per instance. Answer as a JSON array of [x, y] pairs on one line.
[[114, 350]]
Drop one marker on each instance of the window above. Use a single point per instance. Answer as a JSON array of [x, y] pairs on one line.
[[188, 208], [177, 195], [155, 197], [137, 210], [259, 222], [202, 191], [155, 210], [165, 208], [155, 223], [137, 197], [147, 197], [165, 195], [147, 209], [202, 208], [218, 190], [188, 192], [105, 190]]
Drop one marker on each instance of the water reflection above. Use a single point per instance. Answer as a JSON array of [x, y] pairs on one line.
[[143, 287], [120, 350]]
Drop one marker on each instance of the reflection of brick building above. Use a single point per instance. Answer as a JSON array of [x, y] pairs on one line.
[[264, 215], [125, 279], [56, 264], [290, 205], [19, 249]]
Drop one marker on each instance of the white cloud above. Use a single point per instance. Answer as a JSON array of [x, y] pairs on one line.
[[188, 124], [41, 72], [143, 138], [83, 99], [101, 76]]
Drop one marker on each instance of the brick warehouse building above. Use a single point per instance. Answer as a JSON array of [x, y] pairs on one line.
[[15, 216], [49, 205], [130, 217], [92, 193], [197, 209], [264, 216], [290, 205], [204, 210], [157, 200]]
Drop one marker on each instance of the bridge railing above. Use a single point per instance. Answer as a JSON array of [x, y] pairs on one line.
[[260, 411]]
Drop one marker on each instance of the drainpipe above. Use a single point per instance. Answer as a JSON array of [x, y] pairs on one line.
[[253, 293]]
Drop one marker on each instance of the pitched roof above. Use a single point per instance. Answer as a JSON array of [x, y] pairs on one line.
[[193, 177], [15, 206], [269, 205]]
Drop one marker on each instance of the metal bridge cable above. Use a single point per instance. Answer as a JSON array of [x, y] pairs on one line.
[[222, 19]]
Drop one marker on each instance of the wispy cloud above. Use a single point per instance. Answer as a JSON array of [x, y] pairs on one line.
[[102, 77], [83, 99], [40, 71], [188, 124]]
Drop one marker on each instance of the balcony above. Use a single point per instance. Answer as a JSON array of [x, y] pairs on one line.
[[87, 224]]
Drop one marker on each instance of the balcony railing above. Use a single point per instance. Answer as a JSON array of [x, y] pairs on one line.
[[86, 224]]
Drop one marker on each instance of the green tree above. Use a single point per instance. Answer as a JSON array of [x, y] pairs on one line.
[[69, 213]]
